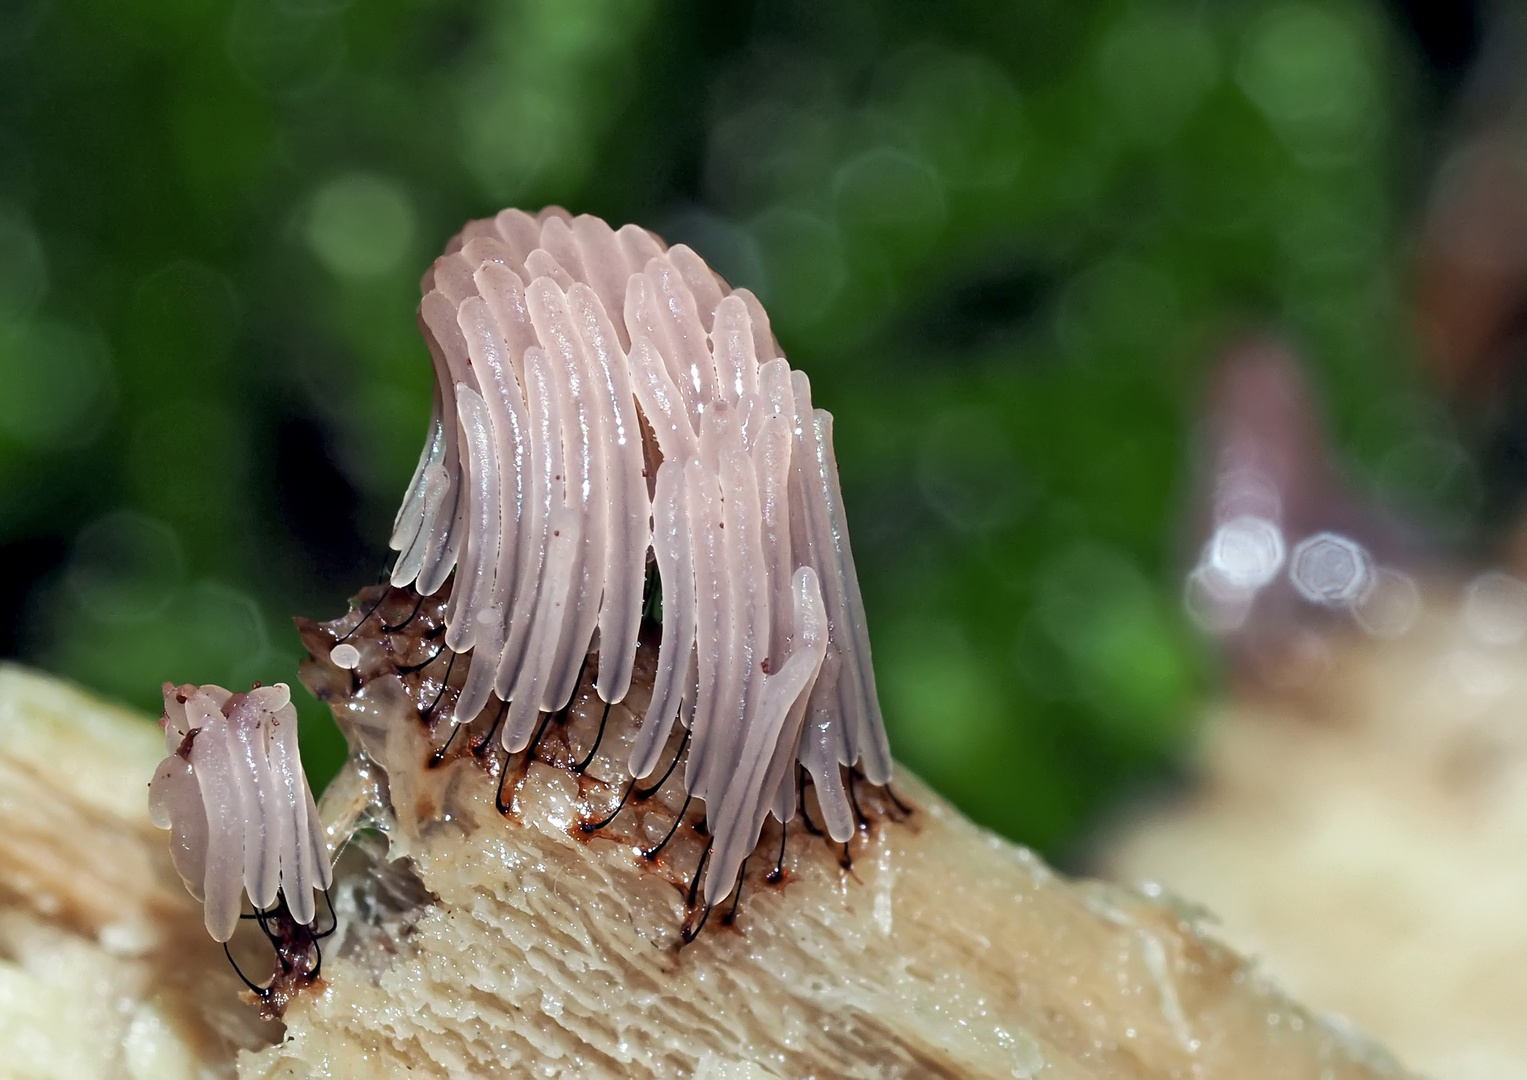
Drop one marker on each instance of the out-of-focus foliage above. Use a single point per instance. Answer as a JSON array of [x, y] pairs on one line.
[[1003, 238]]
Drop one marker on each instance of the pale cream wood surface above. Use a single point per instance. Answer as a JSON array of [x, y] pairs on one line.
[[480, 944]]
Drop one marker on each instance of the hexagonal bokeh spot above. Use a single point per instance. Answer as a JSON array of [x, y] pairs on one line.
[[1246, 551], [1330, 569]]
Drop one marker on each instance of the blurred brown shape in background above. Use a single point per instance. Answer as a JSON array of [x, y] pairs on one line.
[[1360, 817]]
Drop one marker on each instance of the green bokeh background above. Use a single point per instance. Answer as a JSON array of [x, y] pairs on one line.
[[1005, 239]]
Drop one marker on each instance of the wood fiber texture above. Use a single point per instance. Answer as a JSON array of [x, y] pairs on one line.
[[475, 943]]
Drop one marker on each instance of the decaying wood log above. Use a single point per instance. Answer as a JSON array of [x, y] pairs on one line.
[[105, 968], [478, 943]]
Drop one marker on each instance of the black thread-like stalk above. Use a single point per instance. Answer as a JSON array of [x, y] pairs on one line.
[[731, 912], [775, 876], [481, 745], [262, 991], [535, 740], [411, 615], [598, 738], [333, 919], [595, 826], [688, 935], [648, 792], [800, 800], [651, 594], [498, 795], [652, 852], [364, 618], [853, 798], [694, 882], [411, 669], [444, 682], [530, 752], [438, 756]]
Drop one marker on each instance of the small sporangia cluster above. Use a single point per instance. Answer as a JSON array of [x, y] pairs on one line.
[[242, 822]]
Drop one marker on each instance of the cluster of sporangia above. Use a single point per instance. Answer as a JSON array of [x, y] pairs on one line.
[[624, 487]]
